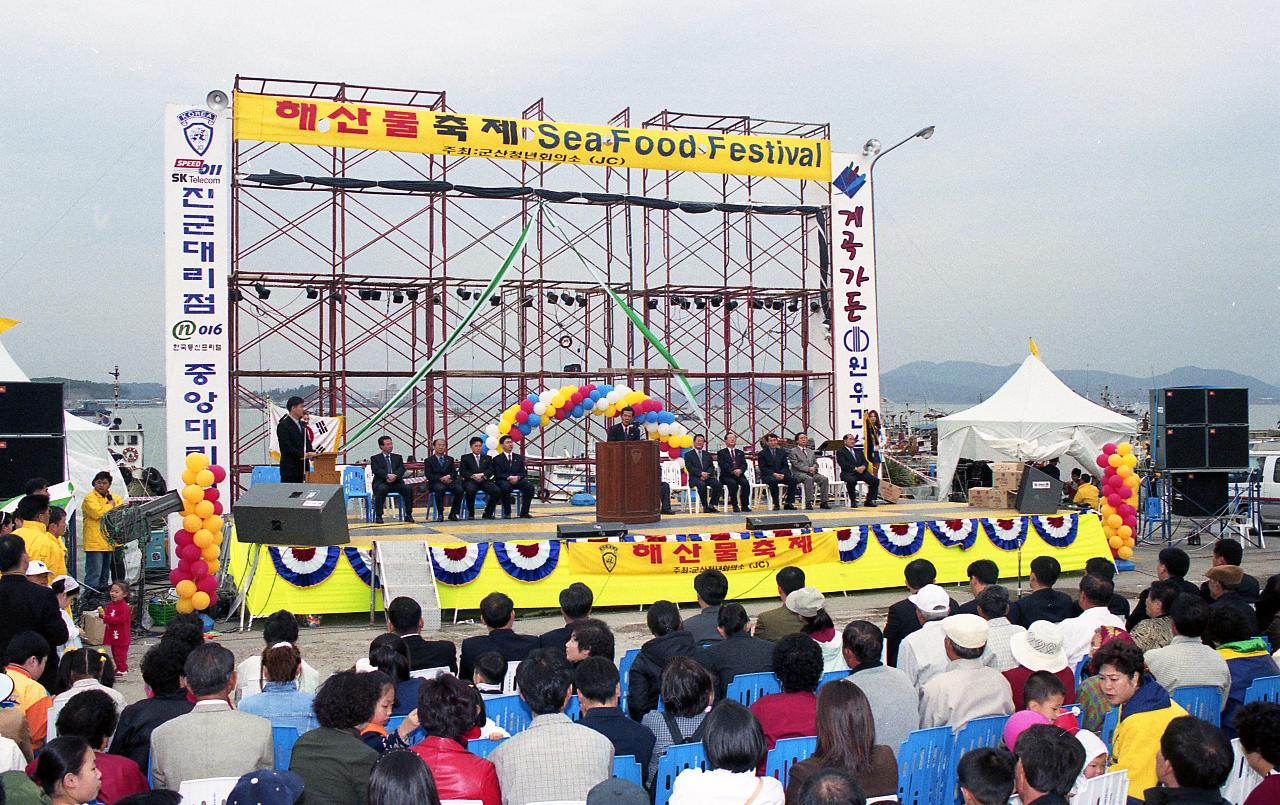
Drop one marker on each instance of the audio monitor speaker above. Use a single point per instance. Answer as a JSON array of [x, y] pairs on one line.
[[292, 514]]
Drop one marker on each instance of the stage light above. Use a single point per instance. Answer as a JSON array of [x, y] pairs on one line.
[[463, 293], [814, 307], [777, 304], [494, 301], [731, 304], [758, 304], [581, 300], [700, 303], [236, 296], [566, 297], [794, 307], [528, 301], [716, 301], [685, 303], [573, 368], [412, 294], [434, 300], [312, 293], [364, 294], [652, 304], [397, 297], [552, 298], [263, 291]]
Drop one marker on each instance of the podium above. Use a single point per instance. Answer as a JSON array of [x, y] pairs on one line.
[[628, 482], [324, 470]]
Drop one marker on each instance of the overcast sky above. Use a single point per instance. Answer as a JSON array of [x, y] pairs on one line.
[[1104, 176]]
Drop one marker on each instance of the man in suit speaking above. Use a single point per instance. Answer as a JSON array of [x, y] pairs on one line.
[[627, 430], [388, 476], [294, 442]]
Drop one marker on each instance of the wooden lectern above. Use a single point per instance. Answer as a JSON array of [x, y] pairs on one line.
[[628, 482], [323, 470]]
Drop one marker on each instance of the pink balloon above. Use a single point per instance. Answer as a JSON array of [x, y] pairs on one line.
[[217, 507], [176, 575], [213, 599], [657, 405], [1131, 521], [1124, 509], [527, 407], [182, 538], [1108, 448], [219, 474], [1102, 461], [207, 584], [516, 435], [184, 567], [211, 494], [1114, 500], [199, 569], [561, 413], [189, 552]]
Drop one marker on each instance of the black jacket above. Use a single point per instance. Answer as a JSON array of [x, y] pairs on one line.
[[133, 733], [1139, 613], [627, 736], [1250, 591], [772, 461], [381, 466], [557, 638], [620, 433], [850, 461], [27, 607], [431, 653], [1162, 796], [730, 460], [508, 464], [737, 654], [644, 680], [901, 622], [471, 464], [1044, 605], [696, 467], [438, 467], [513, 648], [293, 443]]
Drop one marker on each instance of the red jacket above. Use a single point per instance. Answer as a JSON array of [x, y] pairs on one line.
[[458, 773]]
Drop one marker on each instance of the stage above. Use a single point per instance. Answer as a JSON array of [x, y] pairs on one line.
[[843, 550]]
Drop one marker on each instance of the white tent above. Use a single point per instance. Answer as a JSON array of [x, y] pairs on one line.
[[1032, 417]]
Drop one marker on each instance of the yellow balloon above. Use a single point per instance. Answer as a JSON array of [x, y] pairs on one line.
[[185, 588], [200, 600], [1124, 532], [1115, 459], [192, 494], [204, 478], [1124, 448], [188, 477], [213, 564], [192, 523], [1115, 542], [1130, 542], [1107, 511], [210, 553], [184, 606], [611, 411], [197, 461], [1125, 552], [1132, 481], [1115, 521], [203, 538], [1124, 471], [213, 524], [204, 509]]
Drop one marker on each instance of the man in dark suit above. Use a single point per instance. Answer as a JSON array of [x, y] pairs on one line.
[[1171, 563], [853, 468], [902, 619], [442, 476], [404, 619], [702, 474], [1044, 603], [733, 473], [510, 475], [627, 430], [775, 470], [476, 471], [294, 443], [498, 613], [597, 681], [27, 606], [738, 652], [388, 476], [575, 604]]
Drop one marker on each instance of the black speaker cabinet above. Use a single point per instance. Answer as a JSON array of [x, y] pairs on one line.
[[1227, 406], [292, 514], [31, 409], [1199, 494], [25, 457], [590, 530], [1227, 447], [1184, 406], [772, 522], [1182, 447], [1038, 493]]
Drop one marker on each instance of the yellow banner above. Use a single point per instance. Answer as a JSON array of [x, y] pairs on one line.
[[596, 562], [305, 121]]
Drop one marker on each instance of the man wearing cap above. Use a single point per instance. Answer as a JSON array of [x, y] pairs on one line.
[[923, 653], [901, 620], [1230, 552], [266, 787], [1077, 632], [1039, 648], [1225, 583], [966, 689], [775, 624]]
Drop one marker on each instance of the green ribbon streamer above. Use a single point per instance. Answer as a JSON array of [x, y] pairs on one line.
[[631, 314], [444, 348]]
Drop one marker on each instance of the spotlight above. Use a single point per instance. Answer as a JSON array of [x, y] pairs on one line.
[[397, 297], [731, 304], [528, 301], [375, 295], [435, 299], [684, 303], [581, 300], [794, 307], [573, 368], [566, 297], [716, 301], [412, 294], [700, 303], [494, 301], [463, 293], [236, 296], [814, 307], [364, 294], [777, 304], [312, 293], [263, 291], [757, 304], [552, 298], [652, 304]]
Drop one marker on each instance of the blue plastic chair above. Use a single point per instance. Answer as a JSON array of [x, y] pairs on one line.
[[922, 766], [747, 688], [264, 475], [676, 759], [509, 712], [1109, 722], [787, 753], [1080, 669], [354, 488], [832, 676], [574, 709], [978, 733], [627, 767], [1263, 689], [624, 667], [283, 738], [1201, 701], [481, 747]]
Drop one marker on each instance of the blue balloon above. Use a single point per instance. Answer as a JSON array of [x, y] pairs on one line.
[[524, 428], [534, 420], [576, 413], [533, 398]]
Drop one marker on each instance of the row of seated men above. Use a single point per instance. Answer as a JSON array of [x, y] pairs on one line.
[[499, 476]]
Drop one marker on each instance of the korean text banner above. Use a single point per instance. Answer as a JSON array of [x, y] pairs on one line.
[[197, 225], [303, 121]]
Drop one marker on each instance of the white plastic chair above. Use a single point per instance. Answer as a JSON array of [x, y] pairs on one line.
[[672, 476], [759, 492], [208, 791], [429, 673], [509, 681], [836, 487], [1243, 778], [1106, 789]]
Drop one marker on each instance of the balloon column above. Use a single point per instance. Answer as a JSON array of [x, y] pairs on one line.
[[199, 541], [1119, 497], [575, 402]]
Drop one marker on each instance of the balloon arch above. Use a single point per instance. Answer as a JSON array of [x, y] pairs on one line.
[[575, 402]]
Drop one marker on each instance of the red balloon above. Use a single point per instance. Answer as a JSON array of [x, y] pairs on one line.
[[182, 538], [1102, 461], [217, 507], [522, 416], [1131, 521], [199, 569], [184, 567], [516, 435], [527, 407], [213, 599], [189, 552], [657, 405], [1125, 510], [1114, 500], [1108, 448], [561, 413], [176, 575], [219, 474], [211, 495], [207, 584]]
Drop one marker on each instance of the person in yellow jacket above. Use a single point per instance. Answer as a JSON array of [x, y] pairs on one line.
[[1143, 710], [97, 551], [1087, 494], [33, 511]]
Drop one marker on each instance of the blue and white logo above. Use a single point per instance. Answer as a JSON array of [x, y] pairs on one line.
[[197, 128]]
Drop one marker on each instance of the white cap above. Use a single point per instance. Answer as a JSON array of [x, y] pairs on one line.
[[931, 599], [36, 568], [69, 585], [966, 631]]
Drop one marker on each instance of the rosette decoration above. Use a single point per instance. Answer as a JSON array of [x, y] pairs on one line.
[[199, 541], [1118, 497]]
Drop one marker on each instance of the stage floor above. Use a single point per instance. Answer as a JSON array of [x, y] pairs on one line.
[[547, 516]]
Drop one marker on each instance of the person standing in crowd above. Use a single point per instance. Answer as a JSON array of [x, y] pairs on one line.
[[162, 670], [847, 740], [1258, 728], [446, 709], [804, 464], [1049, 761], [404, 619], [853, 466], [966, 689], [687, 695], [732, 463], [28, 607], [1172, 564], [499, 615], [119, 622], [710, 586], [598, 691], [894, 701], [281, 626], [1145, 710], [739, 652], [294, 441], [626, 430], [575, 605], [993, 605], [67, 590], [735, 747], [1044, 603], [773, 624], [1087, 493], [388, 479], [33, 511], [332, 759], [792, 713], [902, 619], [92, 716], [98, 553], [644, 680]]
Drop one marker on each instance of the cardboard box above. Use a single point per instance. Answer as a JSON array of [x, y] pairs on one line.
[[1007, 466], [986, 497], [92, 629], [1010, 500], [890, 493], [1008, 480]]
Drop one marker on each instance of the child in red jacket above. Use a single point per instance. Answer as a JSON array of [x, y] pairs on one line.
[[117, 618]]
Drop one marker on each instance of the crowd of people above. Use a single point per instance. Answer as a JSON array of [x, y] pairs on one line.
[[396, 727]]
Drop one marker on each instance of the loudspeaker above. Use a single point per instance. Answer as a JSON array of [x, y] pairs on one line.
[[25, 457], [1038, 493], [31, 409], [590, 530], [292, 514], [1184, 406], [1181, 448], [773, 522], [1199, 494], [1227, 447], [1227, 406]]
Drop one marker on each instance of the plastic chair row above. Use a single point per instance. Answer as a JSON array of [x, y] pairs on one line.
[[1264, 689], [1201, 701], [928, 759]]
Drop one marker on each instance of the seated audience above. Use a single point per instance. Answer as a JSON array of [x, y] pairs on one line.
[[669, 641], [1145, 710], [92, 716], [793, 712], [188, 630], [710, 587], [894, 701], [589, 638], [902, 619], [231, 743], [982, 573], [488, 674], [162, 673], [1049, 760], [331, 758], [967, 689], [616, 791], [739, 652], [993, 604], [1105, 568], [735, 748], [1044, 603], [986, 776], [810, 605], [280, 701], [1247, 657], [687, 695], [400, 778], [66, 772], [1172, 564], [1194, 762], [263, 787], [13, 724], [374, 732], [1096, 756], [831, 787], [1225, 592], [1268, 610], [1229, 553], [388, 654], [280, 627], [1258, 728], [575, 605], [446, 711], [1094, 705], [922, 655], [772, 624], [28, 607], [598, 691], [81, 670], [1045, 694], [27, 655], [404, 619], [1087, 493], [499, 615], [1077, 632], [1039, 648], [1156, 630], [580, 756], [847, 741]]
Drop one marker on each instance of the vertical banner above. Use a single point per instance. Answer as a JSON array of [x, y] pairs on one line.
[[854, 332], [197, 224]]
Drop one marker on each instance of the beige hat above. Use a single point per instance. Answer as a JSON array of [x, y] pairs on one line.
[[931, 599], [966, 631], [1040, 647], [806, 602], [1230, 575]]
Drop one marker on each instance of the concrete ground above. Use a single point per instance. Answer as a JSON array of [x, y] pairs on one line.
[[341, 639]]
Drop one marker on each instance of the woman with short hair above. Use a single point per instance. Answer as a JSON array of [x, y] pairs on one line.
[[735, 747], [1144, 711], [447, 712], [280, 701], [332, 759]]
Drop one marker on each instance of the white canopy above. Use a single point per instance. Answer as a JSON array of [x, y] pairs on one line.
[[1032, 417]]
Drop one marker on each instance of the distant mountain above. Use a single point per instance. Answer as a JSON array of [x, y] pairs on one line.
[[76, 390], [967, 382]]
